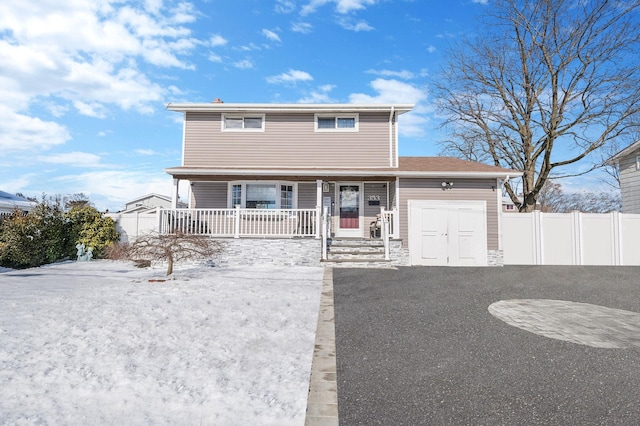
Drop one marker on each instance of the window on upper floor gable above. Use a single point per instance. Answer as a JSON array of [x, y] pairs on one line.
[[243, 123], [336, 122]]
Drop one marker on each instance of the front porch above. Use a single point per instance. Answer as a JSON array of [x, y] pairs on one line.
[[272, 224]]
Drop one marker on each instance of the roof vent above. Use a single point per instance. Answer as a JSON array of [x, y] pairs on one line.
[[217, 101]]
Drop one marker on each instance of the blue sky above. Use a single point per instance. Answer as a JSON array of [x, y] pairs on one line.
[[84, 83]]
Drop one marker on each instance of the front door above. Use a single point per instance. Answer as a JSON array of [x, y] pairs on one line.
[[349, 208]]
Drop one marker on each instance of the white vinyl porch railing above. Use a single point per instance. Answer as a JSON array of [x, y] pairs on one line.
[[240, 222], [391, 217]]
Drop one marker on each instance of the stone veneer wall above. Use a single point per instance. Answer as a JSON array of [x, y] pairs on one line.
[[270, 252], [399, 255], [495, 258]]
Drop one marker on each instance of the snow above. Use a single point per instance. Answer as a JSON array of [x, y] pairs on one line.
[[97, 342]]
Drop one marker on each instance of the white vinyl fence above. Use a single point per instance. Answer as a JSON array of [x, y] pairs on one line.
[[131, 225], [571, 238]]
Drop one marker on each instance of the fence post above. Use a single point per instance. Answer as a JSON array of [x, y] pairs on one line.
[[325, 213], [236, 223], [158, 219], [319, 220], [385, 234], [538, 259], [617, 238]]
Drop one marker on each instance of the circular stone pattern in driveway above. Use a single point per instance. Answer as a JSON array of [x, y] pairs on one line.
[[581, 323]]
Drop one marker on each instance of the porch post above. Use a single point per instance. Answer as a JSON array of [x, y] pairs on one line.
[[174, 195], [318, 206]]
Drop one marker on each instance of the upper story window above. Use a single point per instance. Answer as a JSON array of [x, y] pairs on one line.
[[243, 123], [336, 122]]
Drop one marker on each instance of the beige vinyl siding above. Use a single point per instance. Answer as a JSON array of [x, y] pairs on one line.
[[307, 195], [463, 189], [393, 201], [208, 195], [289, 140], [630, 184], [370, 212]]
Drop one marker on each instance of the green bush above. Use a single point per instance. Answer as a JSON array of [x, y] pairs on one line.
[[48, 234], [89, 227], [21, 241]]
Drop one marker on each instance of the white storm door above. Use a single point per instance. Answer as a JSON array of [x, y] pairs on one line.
[[428, 239], [349, 197]]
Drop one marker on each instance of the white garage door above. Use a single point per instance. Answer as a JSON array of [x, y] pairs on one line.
[[448, 233]]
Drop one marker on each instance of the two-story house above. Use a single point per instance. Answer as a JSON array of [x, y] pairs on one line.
[[628, 163], [279, 165]]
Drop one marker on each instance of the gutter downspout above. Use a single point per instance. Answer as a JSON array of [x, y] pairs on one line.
[[391, 153]]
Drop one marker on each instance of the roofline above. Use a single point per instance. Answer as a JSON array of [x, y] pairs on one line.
[[217, 106], [164, 197], [337, 172], [628, 150]]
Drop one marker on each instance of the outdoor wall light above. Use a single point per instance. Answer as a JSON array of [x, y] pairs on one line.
[[447, 185]]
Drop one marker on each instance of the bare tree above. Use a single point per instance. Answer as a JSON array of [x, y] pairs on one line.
[[543, 75], [173, 248], [553, 199]]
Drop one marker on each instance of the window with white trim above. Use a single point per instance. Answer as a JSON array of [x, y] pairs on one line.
[[263, 195], [336, 122], [239, 123]]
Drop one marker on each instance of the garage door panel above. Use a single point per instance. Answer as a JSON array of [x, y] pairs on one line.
[[467, 220], [447, 233], [431, 249]]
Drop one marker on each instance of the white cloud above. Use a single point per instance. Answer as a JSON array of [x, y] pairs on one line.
[[271, 35], [244, 64], [480, 1], [342, 6], [351, 25], [390, 91], [19, 132], [116, 187], [214, 58], [395, 91], [301, 27], [74, 159], [87, 54], [292, 76], [285, 6], [319, 96], [145, 152], [93, 109], [217, 40], [404, 74], [431, 49]]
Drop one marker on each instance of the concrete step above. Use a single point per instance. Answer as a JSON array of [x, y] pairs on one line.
[[356, 250]]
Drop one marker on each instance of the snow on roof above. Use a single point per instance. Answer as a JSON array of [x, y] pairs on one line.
[[9, 202]]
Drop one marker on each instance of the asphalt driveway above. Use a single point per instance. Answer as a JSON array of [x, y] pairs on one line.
[[418, 346]]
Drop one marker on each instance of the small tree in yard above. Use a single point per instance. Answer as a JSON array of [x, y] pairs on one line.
[[173, 248]]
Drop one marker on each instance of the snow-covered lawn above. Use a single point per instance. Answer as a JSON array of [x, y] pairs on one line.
[[98, 343]]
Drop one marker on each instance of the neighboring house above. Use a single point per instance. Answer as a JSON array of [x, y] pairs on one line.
[[297, 158], [628, 163], [508, 206], [9, 202], [149, 202]]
